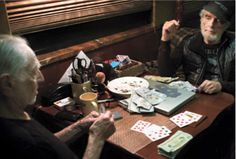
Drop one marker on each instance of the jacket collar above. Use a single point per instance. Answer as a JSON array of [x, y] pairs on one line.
[[197, 43]]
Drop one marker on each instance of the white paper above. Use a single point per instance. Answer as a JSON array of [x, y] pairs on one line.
[[65, 78]]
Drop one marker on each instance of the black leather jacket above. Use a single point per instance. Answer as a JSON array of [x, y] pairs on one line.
[[191, 55]]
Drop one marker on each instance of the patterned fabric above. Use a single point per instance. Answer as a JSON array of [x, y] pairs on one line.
[[176, 40], [151, 67], [181, 35]]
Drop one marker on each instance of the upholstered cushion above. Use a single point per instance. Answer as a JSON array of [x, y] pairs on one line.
[[176, 40], [180, 35]]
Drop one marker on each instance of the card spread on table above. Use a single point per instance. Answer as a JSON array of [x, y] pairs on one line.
[[195, 116], [140, 125], [186, 118], [152, 131], [156, 132]]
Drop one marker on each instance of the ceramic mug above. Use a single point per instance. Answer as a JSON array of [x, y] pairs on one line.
[[78, 89], [89, 102]]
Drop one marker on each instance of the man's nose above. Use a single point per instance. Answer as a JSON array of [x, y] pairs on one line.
[[40, 77], [212, 22]]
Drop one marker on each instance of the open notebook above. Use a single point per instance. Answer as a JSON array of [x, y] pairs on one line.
[[176, 97]]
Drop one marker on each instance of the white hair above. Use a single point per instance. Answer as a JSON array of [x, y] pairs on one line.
[[226, 23], [15, 55]]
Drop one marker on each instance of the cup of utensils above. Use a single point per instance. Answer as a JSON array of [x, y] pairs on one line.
[[80, 88], [83, 80], [79, 77]]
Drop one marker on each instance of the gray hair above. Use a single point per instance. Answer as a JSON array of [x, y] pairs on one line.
[[226, 23], [15, 55]]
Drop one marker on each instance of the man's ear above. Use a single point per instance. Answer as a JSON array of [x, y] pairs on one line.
[[6, 84]]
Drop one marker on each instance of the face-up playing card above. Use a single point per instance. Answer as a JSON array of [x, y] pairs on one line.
[[152, 127], [181, 120], [155, 132], [195, 116], [140, 125], [164, 128]]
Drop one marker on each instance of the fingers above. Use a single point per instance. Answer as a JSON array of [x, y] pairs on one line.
[[107, 116], [103, 127], [170, 27], [210, 87], [94, 114], [173, 24], [91, 117]]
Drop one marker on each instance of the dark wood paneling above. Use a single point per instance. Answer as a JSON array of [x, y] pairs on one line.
[[142, 48]]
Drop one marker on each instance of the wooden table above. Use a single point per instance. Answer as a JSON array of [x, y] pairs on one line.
[[208, 105]]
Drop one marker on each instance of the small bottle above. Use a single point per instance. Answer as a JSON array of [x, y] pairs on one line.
[[93, 78]]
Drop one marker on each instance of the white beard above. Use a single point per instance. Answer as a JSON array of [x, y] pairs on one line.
[[210, 37]]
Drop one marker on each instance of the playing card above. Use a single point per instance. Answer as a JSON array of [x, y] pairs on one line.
[[164, 128], [152, 127], [116, 115], [181, 120], [140, 125], [155, 132], [192, 115]]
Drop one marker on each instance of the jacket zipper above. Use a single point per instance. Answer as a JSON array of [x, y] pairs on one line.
[[201, 73]]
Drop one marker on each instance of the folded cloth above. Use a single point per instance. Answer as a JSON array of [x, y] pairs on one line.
[[160, 78], [184, 85]]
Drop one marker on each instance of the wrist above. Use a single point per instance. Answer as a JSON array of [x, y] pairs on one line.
[[96, 140], [94, 148], [219, 86], [165, 38]]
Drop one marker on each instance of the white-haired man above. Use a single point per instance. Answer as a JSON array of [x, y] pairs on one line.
[[20, 135]]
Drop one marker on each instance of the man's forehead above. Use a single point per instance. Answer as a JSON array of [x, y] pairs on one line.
[[210, 14], [33, 65]]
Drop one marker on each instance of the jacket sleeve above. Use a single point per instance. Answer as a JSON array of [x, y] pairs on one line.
[[229, 86], [168, 62]]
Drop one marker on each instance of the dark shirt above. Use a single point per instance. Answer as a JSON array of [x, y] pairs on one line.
[[213, 67], [27, 139]]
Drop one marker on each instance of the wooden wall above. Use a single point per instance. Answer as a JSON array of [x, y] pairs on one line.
[[143, 48]]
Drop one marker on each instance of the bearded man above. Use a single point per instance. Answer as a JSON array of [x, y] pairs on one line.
[[207, 57]]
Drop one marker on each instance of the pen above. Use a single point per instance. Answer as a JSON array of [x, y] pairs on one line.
[[106, 100], [102, 108]]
